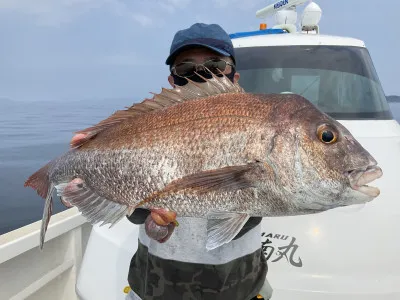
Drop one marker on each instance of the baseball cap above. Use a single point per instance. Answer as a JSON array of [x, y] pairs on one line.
[[211, 36]]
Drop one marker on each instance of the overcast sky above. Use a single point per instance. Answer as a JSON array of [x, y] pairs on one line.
[[62, 50]]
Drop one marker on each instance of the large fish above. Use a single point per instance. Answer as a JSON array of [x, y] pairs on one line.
[[210, 150]]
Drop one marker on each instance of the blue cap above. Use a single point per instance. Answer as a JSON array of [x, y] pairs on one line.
[[211, 36]]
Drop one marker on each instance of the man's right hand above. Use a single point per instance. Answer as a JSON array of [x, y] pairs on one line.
[[159, 233]]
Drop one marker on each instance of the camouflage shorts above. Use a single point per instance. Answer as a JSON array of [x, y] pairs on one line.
[[154, 278], [132, 296]]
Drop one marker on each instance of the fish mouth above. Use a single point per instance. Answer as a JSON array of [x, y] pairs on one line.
[[360, 178]]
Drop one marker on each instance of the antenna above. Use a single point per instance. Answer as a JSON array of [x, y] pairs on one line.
[[311, 17], [286, 15], [273, 8]]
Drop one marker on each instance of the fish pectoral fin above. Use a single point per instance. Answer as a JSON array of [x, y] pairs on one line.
[[228, 178], [222, 227], [93, 207], [47, 212]]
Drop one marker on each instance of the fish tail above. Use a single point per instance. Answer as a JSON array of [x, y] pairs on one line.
[[40, 181]]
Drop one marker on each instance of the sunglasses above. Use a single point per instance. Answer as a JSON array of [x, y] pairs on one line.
[[188, 69]]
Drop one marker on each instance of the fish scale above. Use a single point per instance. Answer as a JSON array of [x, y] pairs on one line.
[[210, 150]]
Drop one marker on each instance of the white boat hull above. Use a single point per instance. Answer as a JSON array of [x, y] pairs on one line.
[[347, 253]]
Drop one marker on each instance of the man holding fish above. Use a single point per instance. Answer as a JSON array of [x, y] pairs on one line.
[[199, 165], [236, 270]]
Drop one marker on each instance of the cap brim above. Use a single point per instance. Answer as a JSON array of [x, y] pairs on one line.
[[172, 56]]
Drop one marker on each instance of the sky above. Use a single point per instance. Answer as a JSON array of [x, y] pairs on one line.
[[63, 50]]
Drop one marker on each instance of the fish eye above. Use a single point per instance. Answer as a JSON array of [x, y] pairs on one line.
[[326, 134]]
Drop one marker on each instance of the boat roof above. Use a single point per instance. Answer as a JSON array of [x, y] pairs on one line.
[[278, 37]]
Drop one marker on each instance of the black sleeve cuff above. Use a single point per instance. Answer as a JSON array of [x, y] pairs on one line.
[[139, 215], [250, 224]]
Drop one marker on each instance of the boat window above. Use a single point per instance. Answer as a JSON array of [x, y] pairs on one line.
[[339, 80]]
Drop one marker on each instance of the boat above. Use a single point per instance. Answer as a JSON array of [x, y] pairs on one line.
[[344, 253]]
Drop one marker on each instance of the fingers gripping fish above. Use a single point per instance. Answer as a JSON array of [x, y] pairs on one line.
[[210, 150]]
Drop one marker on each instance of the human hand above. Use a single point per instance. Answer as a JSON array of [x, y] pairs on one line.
[[160, 233]]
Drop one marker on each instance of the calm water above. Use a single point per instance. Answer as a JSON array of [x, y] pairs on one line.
[[31, 135]]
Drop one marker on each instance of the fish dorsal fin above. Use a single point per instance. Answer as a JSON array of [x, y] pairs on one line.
[[166, 98]]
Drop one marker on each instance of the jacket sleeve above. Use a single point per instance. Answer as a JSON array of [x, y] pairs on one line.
[[250, 224], [139, 216]]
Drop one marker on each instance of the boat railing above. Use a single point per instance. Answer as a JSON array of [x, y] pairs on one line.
[[26, 272]]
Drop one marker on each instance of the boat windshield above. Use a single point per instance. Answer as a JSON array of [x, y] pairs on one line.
[[339, 80]]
